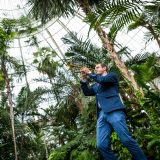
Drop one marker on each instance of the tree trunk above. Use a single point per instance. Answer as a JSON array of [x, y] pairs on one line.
[[45, 146], [77, 98], [9, 96]]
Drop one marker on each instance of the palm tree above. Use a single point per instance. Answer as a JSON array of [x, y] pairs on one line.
[[118, 14], [46, 10], [149, 19]]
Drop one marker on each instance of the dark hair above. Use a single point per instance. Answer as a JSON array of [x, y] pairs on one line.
[[104, 65]]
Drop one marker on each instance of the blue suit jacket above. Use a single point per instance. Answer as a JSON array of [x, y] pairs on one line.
[[106, 91]]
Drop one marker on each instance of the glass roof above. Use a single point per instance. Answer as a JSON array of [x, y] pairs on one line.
[[13, 8]]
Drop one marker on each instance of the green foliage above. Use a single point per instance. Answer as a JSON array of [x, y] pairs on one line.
[[81, 147], [46, 63], [150, 20], [85, 155], [82, 52], [114, 13], [147, 70], [45, 10], [2, 81], [26, 27], [61, 129], [7, 34], [118, 146], [62, 154], [58, 155]]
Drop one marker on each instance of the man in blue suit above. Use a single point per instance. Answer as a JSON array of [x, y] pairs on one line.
[[110, 112]]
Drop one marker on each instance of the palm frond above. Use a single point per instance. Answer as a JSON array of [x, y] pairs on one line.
[[83, 52], [115, 13], [138, 59], [147, 70], [46, 10]]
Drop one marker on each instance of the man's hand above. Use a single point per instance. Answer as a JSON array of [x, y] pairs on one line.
[[85, 70], [83, 77], [84, 73]]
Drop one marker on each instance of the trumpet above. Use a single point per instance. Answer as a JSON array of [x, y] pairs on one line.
[[77, 67]]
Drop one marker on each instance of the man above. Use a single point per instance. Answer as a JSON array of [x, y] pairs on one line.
[[110, 112]]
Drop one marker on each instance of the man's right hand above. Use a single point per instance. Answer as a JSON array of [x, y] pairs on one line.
[[83, 76]]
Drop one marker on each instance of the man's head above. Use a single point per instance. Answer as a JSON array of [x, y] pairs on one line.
[[101, 68]]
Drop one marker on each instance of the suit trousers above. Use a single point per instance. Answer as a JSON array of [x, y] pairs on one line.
[[116, 120]]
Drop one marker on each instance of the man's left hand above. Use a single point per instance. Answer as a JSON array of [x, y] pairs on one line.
[[85, 70]]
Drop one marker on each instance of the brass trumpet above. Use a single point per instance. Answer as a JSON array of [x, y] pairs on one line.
[[77, 67]]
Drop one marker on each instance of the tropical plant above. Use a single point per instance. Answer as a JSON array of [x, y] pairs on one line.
[[117, 15]]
